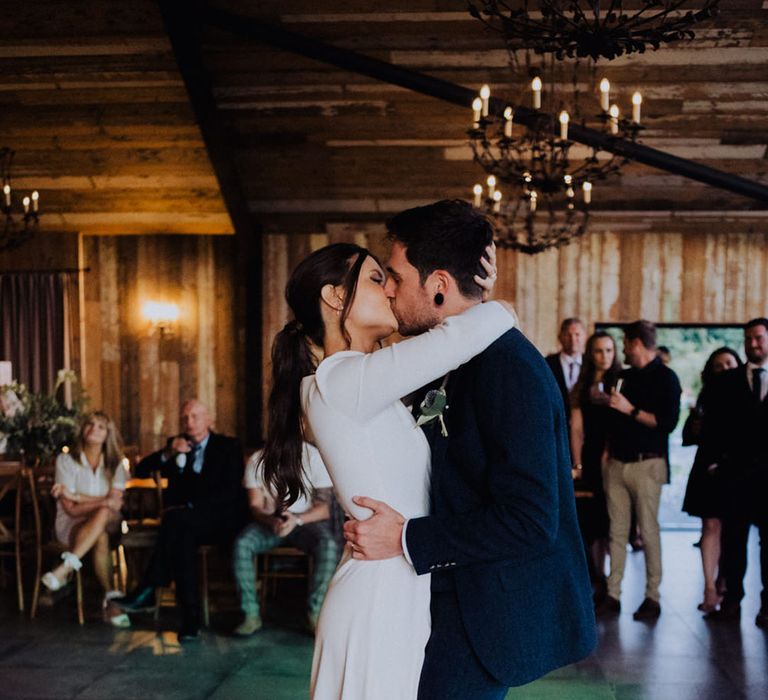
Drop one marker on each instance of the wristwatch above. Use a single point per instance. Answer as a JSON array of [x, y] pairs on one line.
[[634, 412]]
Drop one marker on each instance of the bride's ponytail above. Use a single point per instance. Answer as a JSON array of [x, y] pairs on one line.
[[293, 359], [282, 457]]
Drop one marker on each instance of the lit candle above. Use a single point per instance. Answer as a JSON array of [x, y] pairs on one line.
[[7, 193], [568, 181], [614, 112], [564, 125], [536, 87], [509, 115], [25, 202], [485, 96], [637, 100], [587, 187], [605, 88], [497, 202], [35, 201], [527, 179], [532, 201], [491, 185], [477, 190], [477, 106]]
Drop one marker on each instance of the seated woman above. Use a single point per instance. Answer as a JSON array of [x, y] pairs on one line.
[[90, 481]]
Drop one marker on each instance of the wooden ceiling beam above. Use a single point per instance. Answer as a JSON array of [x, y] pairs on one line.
[[456, 94]]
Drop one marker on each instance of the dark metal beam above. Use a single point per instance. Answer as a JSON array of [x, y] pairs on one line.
[[450, 92]]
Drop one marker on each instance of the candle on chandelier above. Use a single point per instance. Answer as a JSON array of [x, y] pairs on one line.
[[614, 112], [533, 201], [25, 202], [491, 185], [637, 100], [477, 190], [536, 86], [509, 115], [496, 202], [605, 89], [35, 201], [587, 188], [568, 181], [477, 106], [7, 193], [564, 118], [485, 96]]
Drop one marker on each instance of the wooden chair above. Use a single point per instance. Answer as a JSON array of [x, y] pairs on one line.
[[281, 563]]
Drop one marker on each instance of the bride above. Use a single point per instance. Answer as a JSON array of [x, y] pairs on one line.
[[375, 621]]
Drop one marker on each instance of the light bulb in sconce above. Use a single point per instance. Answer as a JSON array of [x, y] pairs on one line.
[[161, 315]]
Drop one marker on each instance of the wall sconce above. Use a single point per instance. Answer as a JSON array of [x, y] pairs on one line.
[[161, 316]]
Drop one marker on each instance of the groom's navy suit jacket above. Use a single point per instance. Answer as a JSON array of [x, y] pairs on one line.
[[503, 531]]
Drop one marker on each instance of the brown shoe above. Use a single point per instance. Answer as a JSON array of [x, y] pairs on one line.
[[608, 607], [728, 612], [649, 610]]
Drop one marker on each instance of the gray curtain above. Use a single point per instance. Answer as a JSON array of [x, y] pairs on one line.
[[33, 326]]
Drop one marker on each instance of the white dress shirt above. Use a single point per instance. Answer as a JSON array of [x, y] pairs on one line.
[[571, 369]]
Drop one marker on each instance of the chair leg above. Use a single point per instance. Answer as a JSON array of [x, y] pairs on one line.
[[204, 587], [158, 599], [79, 592], [17, 547]]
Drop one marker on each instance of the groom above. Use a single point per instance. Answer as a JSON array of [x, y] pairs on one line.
[[511, 599]]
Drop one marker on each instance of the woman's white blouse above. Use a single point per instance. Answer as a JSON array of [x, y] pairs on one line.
[[79, 477]]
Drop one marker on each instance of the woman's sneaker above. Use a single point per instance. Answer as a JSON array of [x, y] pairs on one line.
[[250, 625]]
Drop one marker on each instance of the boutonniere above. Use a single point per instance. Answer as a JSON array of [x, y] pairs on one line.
[[433, 406]]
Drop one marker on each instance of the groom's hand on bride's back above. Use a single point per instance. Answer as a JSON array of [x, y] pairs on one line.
[[379, 537]]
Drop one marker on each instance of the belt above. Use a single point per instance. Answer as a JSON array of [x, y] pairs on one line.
[[637, 456]]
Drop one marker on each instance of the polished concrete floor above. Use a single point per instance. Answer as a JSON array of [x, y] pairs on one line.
[[678, 658]]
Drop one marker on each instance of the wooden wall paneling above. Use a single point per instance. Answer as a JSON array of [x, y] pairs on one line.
[[716, 278], [736, 274], [227, 366], [108, 319], [546, 299], [695, 273], [610, 279], [757, 290], [671, 253]]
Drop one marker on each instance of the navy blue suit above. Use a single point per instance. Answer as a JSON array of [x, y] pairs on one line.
[[502, 542]]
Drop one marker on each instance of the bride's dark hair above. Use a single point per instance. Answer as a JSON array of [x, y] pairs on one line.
[[293, 359]]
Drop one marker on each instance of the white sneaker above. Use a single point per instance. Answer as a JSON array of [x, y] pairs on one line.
[[50, 581]]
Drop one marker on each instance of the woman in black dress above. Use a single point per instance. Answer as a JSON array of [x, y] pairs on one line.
[[589, 422], [703, 493]]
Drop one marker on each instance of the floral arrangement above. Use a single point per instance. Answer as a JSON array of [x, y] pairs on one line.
[[37, 425]]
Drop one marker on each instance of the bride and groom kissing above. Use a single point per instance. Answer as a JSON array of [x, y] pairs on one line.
[[464, 570]]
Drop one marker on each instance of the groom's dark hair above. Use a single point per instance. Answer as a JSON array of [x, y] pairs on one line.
[[448, 235]]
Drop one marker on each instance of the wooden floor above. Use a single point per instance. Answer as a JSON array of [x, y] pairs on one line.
[[681, 657]]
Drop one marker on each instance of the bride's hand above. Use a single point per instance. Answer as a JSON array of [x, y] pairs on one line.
[[489, 281]]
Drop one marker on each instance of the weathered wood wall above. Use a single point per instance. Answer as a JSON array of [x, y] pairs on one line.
[[140, 376], [604, 277]]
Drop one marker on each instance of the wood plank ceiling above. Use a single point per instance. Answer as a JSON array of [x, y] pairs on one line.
[[93, 103], [318, 145]]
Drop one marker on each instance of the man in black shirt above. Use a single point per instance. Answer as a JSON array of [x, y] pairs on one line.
[[647, 406]]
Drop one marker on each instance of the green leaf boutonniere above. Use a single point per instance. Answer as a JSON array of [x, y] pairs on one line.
[[433, 406]]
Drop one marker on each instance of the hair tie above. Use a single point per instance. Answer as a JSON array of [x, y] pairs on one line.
[[295, 326]]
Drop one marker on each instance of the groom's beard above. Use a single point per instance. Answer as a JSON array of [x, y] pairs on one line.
[[416, 322]]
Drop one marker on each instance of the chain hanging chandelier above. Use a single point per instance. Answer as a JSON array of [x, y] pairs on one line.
[[589, 28], [540, 208], [20, 223]]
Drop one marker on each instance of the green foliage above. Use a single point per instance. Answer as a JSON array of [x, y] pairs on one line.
[[38, 425]]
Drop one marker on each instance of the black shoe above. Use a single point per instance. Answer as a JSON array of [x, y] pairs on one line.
[[188, 633], [140, 600], [762, 619], [649, 610], [728, 612], [608, 607]]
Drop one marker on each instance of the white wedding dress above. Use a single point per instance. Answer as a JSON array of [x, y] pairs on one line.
[[375, 620]]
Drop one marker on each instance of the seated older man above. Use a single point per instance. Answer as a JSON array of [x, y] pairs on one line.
[[308, 525], [204, 504]]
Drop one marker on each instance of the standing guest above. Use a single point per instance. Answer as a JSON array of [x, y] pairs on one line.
[[590, 416], [90, 481], [646, 407], [204, 504], [566, 364], [734, 429], [307, 524], [703, 495]]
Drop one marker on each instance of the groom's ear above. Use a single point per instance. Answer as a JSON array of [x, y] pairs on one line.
[[440, 281]]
